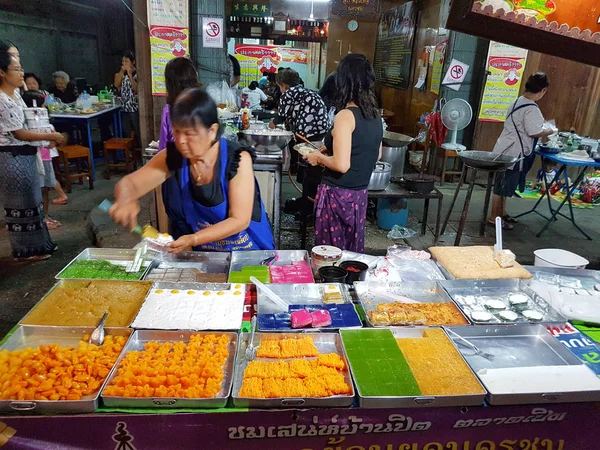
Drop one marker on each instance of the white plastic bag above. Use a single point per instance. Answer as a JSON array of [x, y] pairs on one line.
[[399, 232], [223, 96]]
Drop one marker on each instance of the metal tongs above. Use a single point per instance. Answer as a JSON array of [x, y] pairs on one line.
[[472, 346], [250, 348]]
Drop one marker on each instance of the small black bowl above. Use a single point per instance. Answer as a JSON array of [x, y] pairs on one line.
[[357, 271], [332, 274]]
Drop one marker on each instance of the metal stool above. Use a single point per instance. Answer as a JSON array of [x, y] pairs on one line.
[[77, 154], [112, 147], [465, 211]]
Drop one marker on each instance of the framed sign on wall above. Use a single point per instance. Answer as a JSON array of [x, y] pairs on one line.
[[355, 8], [565, 28]]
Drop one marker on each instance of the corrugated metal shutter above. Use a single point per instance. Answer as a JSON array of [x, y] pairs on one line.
[[211, 62]]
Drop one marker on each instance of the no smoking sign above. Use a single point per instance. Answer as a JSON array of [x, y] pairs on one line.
[[455, 76], [212, 32]]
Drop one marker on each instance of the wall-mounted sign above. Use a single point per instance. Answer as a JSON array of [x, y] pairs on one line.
[[362, 8], [393, 52], [505, 66], [439, 56], [256, 59], [212, 32], [566, 28], [168, 21], [251, 9], [456, 74]]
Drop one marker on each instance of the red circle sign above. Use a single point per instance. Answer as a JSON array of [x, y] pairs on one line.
[[213, 29], [456, 72]]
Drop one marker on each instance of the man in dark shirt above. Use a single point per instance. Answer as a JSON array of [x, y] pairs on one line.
[[235, 71], [63, 88]]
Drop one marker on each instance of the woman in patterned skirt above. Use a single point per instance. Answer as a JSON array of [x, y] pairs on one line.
[[20, 190], [126, 81], [353, 145]]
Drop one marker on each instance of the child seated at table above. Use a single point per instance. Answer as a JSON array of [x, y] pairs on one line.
[[545, 177]]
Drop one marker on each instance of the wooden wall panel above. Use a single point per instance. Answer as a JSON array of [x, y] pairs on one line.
[[342, 41], [572, 99], [411, 103]]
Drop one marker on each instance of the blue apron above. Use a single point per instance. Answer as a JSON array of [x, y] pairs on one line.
[[258, 236]]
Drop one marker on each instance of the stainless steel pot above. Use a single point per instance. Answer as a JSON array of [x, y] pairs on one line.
[[396, 156], [265, 141], [380, 178]]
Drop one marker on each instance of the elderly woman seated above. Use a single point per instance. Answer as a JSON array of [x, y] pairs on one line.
[[62, 88]]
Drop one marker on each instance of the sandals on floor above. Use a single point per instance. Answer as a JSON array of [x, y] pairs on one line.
[[33, 258], [52, 224], [60, 202], [509, 219]]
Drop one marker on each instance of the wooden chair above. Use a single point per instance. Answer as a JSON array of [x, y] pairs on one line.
[[112, 147], [444, 155], [76, 154]]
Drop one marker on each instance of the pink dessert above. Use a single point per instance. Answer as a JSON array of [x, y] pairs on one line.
[[321, 318], [302, 318]]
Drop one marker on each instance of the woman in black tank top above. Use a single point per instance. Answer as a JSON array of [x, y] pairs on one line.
[[354, 146]]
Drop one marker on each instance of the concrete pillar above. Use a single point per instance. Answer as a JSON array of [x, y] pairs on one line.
[[211, 63]]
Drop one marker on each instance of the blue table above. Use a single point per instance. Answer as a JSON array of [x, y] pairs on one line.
[[570, 187], [117, 124]]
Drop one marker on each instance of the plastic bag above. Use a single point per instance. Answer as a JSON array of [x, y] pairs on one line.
[[223, 96], [399, 232]]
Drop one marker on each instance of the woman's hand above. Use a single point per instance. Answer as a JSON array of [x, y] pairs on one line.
[[272, 125], [125, 214], [313, 158], [184, 243], [58, 138], [323, 150]]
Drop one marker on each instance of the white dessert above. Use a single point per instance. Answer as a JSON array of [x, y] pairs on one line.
[[508, 316], [190, 309], [494, 305], [533, 316], [518, 301], [481, 316]]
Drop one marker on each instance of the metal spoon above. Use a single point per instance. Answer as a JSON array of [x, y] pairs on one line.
[[250, 347], [97, 337], [472, 346]]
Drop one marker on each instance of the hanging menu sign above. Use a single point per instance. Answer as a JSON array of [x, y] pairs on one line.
[[393, 53], [362, 8], [251, 9], [168, 21]]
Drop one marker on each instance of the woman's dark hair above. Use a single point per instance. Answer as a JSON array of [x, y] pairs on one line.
[[272, 77], [194, 106], [253, 86], [180, 74], [289, 77], [355, 82], [6, 44], [129, 55], [537, 82], [33, 75], [30, 96], [5, 59], [329, 91]]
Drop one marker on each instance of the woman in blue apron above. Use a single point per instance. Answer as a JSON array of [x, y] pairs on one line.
[[217, 206], [523, 127]]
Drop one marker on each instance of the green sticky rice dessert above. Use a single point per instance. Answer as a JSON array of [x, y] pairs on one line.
[[99, 270]]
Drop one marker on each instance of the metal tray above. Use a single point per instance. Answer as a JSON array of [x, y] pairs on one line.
[[34, 336], [205, 262], [299, 294], [588, 278], [325, 343], [421, 401], [75, 282], [136, 343], [112, 255], [423, 292], [198, 287], [255, 257], [499, 289], [520, 346]]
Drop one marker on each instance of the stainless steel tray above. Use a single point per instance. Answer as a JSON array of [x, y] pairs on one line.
[[112, 255], [299, 294], [520, 346], [33, 336], [423, 292], [205, 262], [422, 401], [588, 278], [136, 343], [465, 293], [167, 286], [75, 282], [255, 257], [325, 343]]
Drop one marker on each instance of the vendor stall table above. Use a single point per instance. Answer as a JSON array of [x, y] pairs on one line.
[[396, 192], [556, 427], [570, 187], [78, 118], [267, 169]]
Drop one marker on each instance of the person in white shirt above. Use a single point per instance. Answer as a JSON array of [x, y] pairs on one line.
[[523, 127], [255, 95]]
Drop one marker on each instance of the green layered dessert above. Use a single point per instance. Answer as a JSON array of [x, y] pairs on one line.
[[261, 273], [99, 269], [378, 365]]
